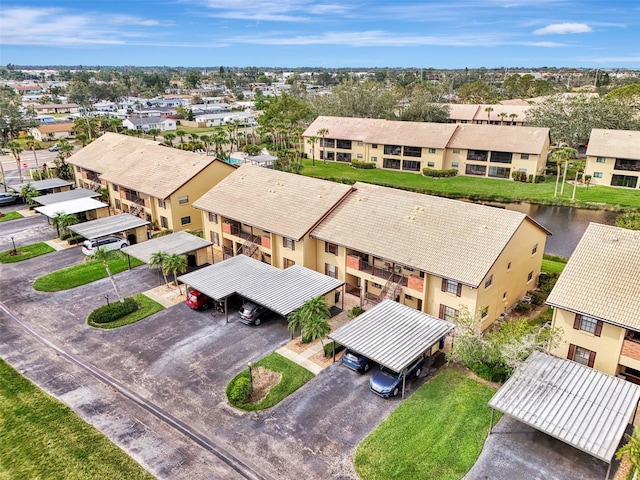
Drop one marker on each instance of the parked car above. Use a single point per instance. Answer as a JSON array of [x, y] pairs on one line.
[[89, 247], [355, 361], [387, 383], [53, 148], [9, 198], [251, 313], [198, 301]]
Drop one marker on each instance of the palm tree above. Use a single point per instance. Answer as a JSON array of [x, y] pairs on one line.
[[632, 450], [206, 142], [488, 110], [16, 149], [158, 260], [102, 255], [176, 264], [82, 138], [28, 192], [513, 117], [219, 138], [311, 313], [154, 132], [502, 115], [62, 220], [193, 140], [563, 154], [31, 145], [312, 141], [181, 134], [323, 132], [316, 328], [169, 138]]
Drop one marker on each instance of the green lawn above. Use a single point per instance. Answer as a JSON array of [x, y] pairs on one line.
[[81, 274], [42, 438], [25, 252], [293, 377], [436, 433], [10, 216], [146, 308], [485, 189]]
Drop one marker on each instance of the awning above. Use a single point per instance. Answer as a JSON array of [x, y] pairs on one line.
[[576, 404], [179, 243], [108, 225], [66, 195], [281, 291], [69, 207], [392, 334], [42, 184]]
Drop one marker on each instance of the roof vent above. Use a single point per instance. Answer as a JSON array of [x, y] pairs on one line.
[[411, 217], [272, 190], [614, 239], [484, 227]]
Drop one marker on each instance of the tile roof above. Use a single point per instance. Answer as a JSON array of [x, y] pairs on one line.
[[282, 203], [385, 132], [614, 144], [140, 165], [602, 277], [426, 232], [55, 127], [501, 138]]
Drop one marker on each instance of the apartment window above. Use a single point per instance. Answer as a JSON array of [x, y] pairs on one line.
[[184, 199], [484, 311], [499, 172], [581, 355], [431, 164], [213, 217], [78, 169], [587, 324], [432, 150], [164, 223], [451, 287], [215, 238], [289, 243], [330, 270], [504, 295], [448, 313], [534, 249], [162, 204], [359, 155], [374, 145], [286, 263], [115, 187], [331, 248], [456, 150], [529, 277], [118, 206], [411, 165], [376, 285], [488, 281], [479, 170], [392, 149], [454, 164], [328, 142], [343, 144], [600, 159], [501, 157], [374, 159], [360, 143], [185, 220], [391, 163], [412, 151], [524, 156], [597, 174]]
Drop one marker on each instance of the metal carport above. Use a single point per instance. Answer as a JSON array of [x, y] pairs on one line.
[[179, 243], [66, 195], [42, 185], [392, 334], [77, 205], [281, 291], [576, 404], [102, 227]]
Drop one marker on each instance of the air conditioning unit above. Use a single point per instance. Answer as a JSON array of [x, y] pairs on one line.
[[526, 299]]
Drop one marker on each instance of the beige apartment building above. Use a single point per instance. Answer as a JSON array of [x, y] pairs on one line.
[[613, 158], [431, 253], [149, 180], [597, 302], [492, 151]]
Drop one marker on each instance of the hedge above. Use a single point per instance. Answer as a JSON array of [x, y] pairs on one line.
[[430, 172], [239, 390], [363, 165], [328, 348], [114, 311]]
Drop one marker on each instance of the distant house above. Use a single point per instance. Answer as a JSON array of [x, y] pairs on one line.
[[481, 114], [145, 124], [613, 158], [53, 108], [53, 131]]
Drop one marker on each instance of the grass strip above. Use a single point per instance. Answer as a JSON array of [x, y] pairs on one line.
[[293, 377], [480, 189], [43, 438], [81, 274], [10, 216], [25, 252], [437, 433], [553, 264], [146, 308]]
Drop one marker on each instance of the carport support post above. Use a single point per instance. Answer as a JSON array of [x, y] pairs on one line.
[[226, 311], [404, 379], [609, 470], [129, 260], [491, 422]]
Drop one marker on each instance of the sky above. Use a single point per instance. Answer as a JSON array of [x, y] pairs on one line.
[[331, 34]]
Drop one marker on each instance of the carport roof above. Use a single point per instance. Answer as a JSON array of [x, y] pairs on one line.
[[578, 405], [175, 243], [392, 334], [108, 225], [42, 184], [69, 207], [66, 195], [281, 291]]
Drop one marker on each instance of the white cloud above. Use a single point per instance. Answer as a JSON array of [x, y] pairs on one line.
[[563, 28], [273, 11]]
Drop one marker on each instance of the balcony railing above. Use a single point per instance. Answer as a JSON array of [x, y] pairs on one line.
[[353, 261], [630, 349]]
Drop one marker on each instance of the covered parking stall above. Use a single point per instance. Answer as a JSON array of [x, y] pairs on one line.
[[66, 195], [281, 291], [48, 185], [393, 335], [135, 228], [571, 402], [85, 209], [178, 243]]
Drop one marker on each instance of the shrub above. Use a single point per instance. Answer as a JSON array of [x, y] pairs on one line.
[[430, 172], [363, 165], [522, 307], [537, 297], [355, 311], [240, 390], [540, 178], [547, 282], [75, 239], [328, 348], [494, 372], [114, 311], [162, 233]]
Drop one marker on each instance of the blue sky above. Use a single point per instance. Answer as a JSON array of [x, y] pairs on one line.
[[331, 33]]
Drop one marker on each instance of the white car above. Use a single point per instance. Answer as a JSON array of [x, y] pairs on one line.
[[89, 247]]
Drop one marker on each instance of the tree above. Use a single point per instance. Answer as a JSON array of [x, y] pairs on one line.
[[632, 450], [629, 94], [563, 154], [62, 220], [102, 255], [423, 111], [13, 120], [89, 126], [316, 328], [16, 149], [477, 92], [169, 138], [308, 319], [154, 132], [159, 260], [368, 99], [28, 193], [176, 264], [630, 220], [312, 141], [488, 110], [181, 134], [82, 138], [502, 116], [322, 133], [31, 145]]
